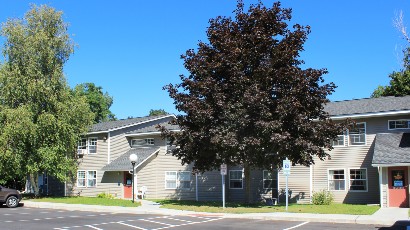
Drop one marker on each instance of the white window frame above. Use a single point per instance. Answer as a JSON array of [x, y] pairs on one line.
[[273, 179], [149, 141], [86, 178], [329, 179], [408, 124], [365, 136], [142, 142], [82, 143], [180, 180], [167, 178], [91, 140], [177, 180], [241, 180], [92, 178], [82, 178], [344, 141], [366, 180]]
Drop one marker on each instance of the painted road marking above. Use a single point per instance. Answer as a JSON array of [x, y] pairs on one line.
[[134, 222], [297, 226], [132, 226], [90, 226]]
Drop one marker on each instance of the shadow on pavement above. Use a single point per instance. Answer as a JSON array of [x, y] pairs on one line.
[[399, 225]]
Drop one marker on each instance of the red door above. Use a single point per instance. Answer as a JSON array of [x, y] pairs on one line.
[[398, 187], [127, 185]]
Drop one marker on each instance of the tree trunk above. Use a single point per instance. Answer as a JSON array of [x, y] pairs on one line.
[[248, 193], [34, 183]]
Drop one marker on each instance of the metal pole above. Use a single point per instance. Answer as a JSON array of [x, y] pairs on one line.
[[196, 186], [287, 195], [133, 164], [223, 191]]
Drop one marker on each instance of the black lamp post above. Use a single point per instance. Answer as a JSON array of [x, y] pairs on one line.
[[133, 159]]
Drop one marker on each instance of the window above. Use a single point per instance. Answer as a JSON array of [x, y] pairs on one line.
[[86, 178], [399, 124], [336, 179], [149, 141], [91, 178], [140, 142], [180, 180], [358, 179], [339, 141], [270, 179], [82, 143], [184, 179], [357, 134], [92, 145], [81, 179], [235, 179]]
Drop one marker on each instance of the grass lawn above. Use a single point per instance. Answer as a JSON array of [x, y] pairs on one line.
[[242, 208], [89, 200]]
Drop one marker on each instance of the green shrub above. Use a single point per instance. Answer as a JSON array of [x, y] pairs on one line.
[[322, 197], [105, 195]]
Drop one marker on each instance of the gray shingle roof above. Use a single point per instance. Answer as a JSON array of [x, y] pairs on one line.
[[105, 126], [152, 128], [123, 163], [368, 106], [391, 148]]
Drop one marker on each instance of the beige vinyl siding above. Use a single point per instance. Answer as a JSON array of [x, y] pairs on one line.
[[298, 185], [109, 182], [384, 187], [346, 158], [152, 175], [256, 184], [210, 186], [353, 157], [106, 183]]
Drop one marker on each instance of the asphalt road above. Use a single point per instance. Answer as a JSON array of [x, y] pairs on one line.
[[42, 219]]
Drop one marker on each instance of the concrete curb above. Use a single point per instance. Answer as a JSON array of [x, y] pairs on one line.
[[281, 216]]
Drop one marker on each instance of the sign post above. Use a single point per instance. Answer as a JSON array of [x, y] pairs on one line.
[[286, 172], [223, 173]]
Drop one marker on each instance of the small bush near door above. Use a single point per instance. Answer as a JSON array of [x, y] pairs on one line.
[[322, 197], [105, 195]]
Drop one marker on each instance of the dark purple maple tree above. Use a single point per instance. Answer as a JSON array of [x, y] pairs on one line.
[[247, 100]]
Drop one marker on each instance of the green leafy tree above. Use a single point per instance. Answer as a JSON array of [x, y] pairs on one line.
[[40, 119], [157, 112], [98, 101], [246, 100], [399, 81]]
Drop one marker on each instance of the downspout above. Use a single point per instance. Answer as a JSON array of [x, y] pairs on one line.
[[109, 148], [380, 170], [278, 185], [196, 187], [310, 182]]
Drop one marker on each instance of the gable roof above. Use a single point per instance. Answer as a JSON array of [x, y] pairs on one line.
[[122, 163], [114, 125], [153, 129], [391, 149], [368, 107]]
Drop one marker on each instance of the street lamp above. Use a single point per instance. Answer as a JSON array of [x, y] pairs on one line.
[[133, 159]]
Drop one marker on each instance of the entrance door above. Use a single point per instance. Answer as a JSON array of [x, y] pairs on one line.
[[127, 185], [398, 187]]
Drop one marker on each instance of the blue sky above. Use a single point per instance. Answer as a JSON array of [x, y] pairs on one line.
[[132, 48]]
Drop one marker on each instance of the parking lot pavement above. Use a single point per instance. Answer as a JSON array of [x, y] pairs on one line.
[[33, 219], [41, 219]]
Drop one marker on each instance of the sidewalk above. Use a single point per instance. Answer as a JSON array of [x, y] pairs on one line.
[[384, 216]]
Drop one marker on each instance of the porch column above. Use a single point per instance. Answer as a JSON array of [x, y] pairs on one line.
[[380, 169]]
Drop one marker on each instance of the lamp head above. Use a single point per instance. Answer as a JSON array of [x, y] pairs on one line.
[[133, 158]]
